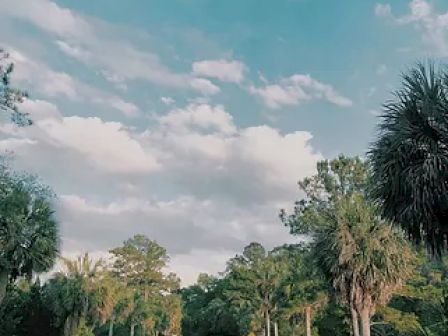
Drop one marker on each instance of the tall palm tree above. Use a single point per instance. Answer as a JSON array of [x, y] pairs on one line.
[[365, 258], [86, 269], [29, 239], [409, 159]]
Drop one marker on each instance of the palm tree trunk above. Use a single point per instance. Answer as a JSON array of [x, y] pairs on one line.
[[132, 329], [275, 328], [308, 320], [111, 327], [3, 284], [365, 321], [268, 324], [355, 322]]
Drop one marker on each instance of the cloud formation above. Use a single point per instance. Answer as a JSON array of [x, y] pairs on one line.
[[226, 183], [432, 25], [297, 89]]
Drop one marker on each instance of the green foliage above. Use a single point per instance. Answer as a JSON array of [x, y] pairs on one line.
[[140, 263], [255, 280], [29, 240], [409, 159], [206, 310], [334, 179], [9, 97]]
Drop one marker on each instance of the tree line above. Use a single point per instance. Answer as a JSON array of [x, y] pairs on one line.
[[372, 257]]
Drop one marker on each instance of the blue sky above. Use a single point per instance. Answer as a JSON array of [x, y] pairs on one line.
[[191, 121]]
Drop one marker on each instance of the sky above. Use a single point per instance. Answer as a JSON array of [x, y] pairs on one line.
[[191, 121]]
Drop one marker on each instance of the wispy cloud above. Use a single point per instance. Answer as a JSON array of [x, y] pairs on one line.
[[298, 89], [226, 71], [39, 77], [100, 45]]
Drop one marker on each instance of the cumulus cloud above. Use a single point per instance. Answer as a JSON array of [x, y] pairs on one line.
[[226, 71], [432, 25], [107, 146], [192, 174], [40, 109], [296, 89]]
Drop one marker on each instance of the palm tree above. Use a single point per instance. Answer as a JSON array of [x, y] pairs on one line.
[[71, 291], [410, 157], [28, 231], [365, 258], [84, 268]]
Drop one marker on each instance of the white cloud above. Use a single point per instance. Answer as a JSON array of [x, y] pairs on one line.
[[73, 51], [203, 116], [107, 145], [37, 76], [204, 86], [226, 71], [40, 109], [433, 26], [127, 108], [41, 77], [297, 89], [205, 153], [167, 100]]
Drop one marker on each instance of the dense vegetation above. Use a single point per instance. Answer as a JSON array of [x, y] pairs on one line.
[[355, 271]]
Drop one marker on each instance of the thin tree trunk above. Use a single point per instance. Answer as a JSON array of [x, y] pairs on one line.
[[355, 322], [308, 320], [85, 307], [74, 326], [132, 329], [111, 327], [3, 284], [275, 328], [365, 321], [268, 324], [67, 326]]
